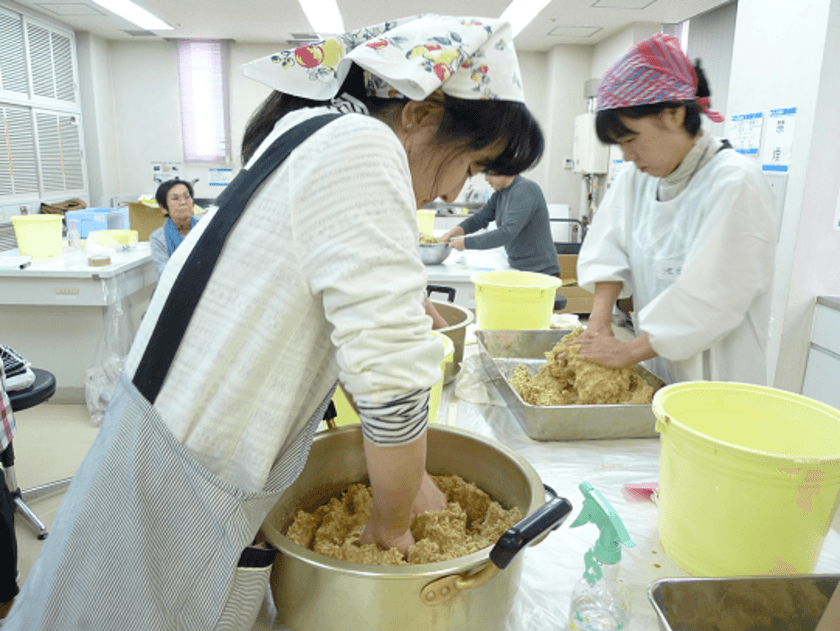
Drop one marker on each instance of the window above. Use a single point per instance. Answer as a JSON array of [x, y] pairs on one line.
[[205, 126], [42, 148]]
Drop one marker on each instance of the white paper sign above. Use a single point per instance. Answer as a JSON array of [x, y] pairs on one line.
[[745, 133], [219, 177], [775, 155], [165, 171]]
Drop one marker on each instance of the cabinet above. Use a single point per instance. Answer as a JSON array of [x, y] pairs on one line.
[[822, 371]]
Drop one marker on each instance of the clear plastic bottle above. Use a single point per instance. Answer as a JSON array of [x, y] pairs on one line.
[[74, 239], [604, 606], [600, 601]]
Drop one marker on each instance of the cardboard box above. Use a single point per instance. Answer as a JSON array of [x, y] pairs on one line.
[[568, 265], [144, 219], [578, 300], [92, 219]]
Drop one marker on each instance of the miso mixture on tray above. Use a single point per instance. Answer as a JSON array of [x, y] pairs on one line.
[[567, 379], [472, 521]]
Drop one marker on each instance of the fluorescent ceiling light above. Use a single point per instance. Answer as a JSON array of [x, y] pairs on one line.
[[520, 13], [134, 14], [323, 16]]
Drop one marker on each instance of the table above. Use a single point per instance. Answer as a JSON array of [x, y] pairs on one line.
[[553, 567], [457, 270], [62, 314]]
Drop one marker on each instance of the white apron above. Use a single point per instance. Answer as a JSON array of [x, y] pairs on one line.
[[146, 537]]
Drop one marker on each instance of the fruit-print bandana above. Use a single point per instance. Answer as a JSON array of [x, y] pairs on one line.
[[469, 58], [654, 71]]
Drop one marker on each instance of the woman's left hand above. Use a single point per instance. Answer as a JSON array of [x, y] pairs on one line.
[[457, 243]]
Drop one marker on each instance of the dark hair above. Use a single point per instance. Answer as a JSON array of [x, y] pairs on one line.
[[476, 124], [608, 123], [163, 192]]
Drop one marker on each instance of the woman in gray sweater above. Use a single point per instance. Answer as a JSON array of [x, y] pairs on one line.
[[522, 226]]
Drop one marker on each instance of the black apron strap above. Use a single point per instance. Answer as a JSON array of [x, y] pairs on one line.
[[192, 279]]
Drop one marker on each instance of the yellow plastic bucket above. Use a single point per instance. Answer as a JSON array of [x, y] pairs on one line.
[[749, 478], [510, 299], [426, 221], [347, 415], [38, 235]]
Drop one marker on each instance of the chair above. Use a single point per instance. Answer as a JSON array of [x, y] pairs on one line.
[[38, 392]]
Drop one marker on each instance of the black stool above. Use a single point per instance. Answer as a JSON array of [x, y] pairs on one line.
[[38, 392]]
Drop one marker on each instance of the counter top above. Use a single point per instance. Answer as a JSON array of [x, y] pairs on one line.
[[73, 264], [553, 566], [444, 209], [832, 302], [69, 281], [460, 266]]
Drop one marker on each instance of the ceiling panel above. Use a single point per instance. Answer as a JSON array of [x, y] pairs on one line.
[[584, 22]]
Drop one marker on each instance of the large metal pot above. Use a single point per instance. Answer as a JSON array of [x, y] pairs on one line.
[[459, 319], [316, 593]]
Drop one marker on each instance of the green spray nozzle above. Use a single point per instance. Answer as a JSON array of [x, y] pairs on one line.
[[597, 510]]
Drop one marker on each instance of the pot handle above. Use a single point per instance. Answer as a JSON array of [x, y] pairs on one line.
[[548, 517], [449, 291]]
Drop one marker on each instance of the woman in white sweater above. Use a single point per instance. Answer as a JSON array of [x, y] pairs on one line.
[[318, 282]]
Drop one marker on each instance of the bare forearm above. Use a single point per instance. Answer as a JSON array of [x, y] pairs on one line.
[[606, 293], [395, 477]]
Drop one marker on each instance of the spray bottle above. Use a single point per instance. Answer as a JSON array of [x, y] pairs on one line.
[[600, 601], [73, 236]]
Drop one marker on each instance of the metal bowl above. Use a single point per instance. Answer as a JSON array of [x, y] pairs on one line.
[[434, 253]]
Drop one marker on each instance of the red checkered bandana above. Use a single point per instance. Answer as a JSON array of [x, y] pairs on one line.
[[654, 71]]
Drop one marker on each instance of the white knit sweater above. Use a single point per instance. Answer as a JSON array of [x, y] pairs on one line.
[[319, 280]]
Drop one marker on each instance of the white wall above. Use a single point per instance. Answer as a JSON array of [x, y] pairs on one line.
[[609, 51], [711, 37], [567, 72], [98, 118], [785, 58]]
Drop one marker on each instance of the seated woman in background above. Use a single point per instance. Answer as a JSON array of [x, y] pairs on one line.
[[175, 198]]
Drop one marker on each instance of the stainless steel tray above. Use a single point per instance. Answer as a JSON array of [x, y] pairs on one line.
[[792, 603], [502, 351]]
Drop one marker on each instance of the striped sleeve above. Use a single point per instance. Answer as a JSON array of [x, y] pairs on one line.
[[396, 422]]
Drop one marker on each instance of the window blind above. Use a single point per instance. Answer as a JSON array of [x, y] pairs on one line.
[[202, 76]]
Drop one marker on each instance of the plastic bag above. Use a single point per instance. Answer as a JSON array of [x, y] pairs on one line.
[[102, 375], [471, 385]]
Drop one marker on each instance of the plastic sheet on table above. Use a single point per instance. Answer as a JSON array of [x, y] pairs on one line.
[[113, 346], [552, 567]]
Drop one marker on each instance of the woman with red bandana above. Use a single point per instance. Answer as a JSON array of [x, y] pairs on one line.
[[686, 230]]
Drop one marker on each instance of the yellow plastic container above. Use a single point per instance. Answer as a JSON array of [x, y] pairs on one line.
[[111, 238], [749, 478], [347, 415], [426, 221], [514, 300], [38, 235]]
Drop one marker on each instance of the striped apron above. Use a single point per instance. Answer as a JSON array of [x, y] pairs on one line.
[[146, 537]]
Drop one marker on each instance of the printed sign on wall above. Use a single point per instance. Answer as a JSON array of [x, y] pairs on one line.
[[775, 154], [745, 133]]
